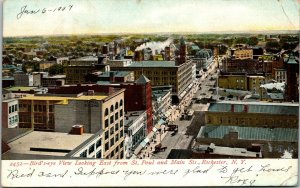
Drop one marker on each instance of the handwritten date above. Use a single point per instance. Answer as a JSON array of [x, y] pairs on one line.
[[26, 11]]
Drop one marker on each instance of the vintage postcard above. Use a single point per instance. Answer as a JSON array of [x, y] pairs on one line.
[[149, 93]]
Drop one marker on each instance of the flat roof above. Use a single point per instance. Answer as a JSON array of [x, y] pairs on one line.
[[64, 99], [115, 73], [219, 150], [132, 116], [47, 140], [19, 88], [256, 107], [87, 58], [250, 133], [153, 64]]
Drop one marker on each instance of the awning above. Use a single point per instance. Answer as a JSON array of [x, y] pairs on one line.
[[182, 94], [161, 121], [190, 86]]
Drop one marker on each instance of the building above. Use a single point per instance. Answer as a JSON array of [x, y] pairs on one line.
[[119, 62], [29, 144], [10, 115], [116, 76], [76, 70], [272, 142], [45, 65], [292, 84], [8, 82], [161, 102], [203, 59], [137, 95], [53, 81], [254, 114], [135, 130], [250, 66], [241, 82], [162, 73], [21, 79], [273, 92]]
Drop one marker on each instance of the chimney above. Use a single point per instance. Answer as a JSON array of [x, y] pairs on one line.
[[91, 92], [232, 108], [112, 76], [77, 130]]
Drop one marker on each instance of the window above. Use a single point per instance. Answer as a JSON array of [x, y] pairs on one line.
[[111, 119], [121, 123], [50, 108], [117, 138], [83, 154], [106, 112], [98, 155], [112, 154], [10, 109], [116, 116], [121, 112], [111, 108], [117, 105], [98, 143], [121, 133], [106, 123], [121, 103], [111, 131], [106, 146], [116, 127], [112, 142], [35, 108], [106, 135], [91, 148]]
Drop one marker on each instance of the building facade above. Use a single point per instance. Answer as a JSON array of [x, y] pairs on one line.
[[10, 113]]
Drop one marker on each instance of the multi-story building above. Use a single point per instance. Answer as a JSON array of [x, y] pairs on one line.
[[135, 124], [31, 144], [21, 79], [10, 115], [116, 76], [163, 73], [46, 65], [203, 59], [253, 114], [161, 102], [280, 75], [241, 82], [292, 84], [53, 81]]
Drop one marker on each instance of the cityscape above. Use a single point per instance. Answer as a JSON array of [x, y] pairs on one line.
[[159, 95]]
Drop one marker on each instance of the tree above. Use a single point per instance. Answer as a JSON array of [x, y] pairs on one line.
[[252, 41], [273, 46], [56, 69]]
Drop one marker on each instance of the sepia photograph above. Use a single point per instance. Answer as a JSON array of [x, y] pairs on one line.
[[149, 93]]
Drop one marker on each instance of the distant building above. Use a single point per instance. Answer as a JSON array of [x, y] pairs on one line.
[[203, 59], [268, 115], [46, 65], [21, 79], [163, 73], [10, 115], [116, 76], [53, 81], [135, 123], [292, 88]]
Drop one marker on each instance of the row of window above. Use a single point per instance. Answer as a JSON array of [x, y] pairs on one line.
[[112, 107], [13, 119], [113, 119], [13, 108], [113, 130], [37, 108]]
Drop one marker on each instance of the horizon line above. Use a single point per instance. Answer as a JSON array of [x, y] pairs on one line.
[[165, 32]]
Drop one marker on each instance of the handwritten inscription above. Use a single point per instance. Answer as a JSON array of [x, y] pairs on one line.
[[228, 172], [27, 11]]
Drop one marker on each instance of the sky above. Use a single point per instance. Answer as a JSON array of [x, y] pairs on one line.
[[147, 16]]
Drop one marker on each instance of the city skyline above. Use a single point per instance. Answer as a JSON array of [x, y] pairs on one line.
[[117, 17]]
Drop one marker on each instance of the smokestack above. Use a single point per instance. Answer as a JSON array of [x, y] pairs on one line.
[[105, 49], [138, 55], [167, 53]]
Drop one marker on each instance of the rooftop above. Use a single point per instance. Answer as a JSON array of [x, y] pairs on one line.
[[250, 133], [55, 76], [87, 58], [153, 64], [131, 116], [142, 80], [218, 150], [47, 140], [20, 88], [256, 107], [64, 100], [115, 73]]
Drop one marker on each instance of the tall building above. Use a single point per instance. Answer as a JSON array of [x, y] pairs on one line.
[[163, 73], [292, 85]]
